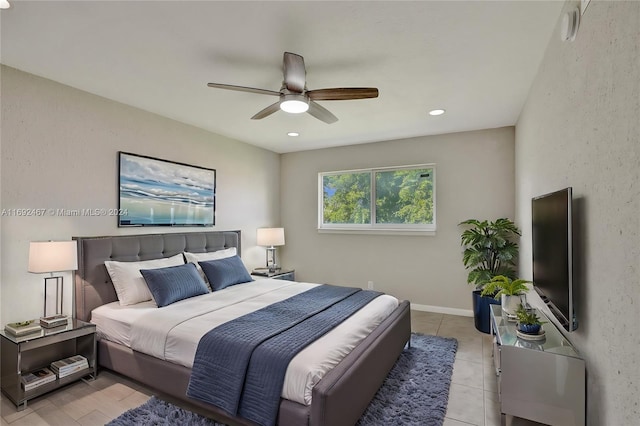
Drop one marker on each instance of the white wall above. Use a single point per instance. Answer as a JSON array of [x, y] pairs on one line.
[[580, 127], [474, 179], [59, 150]]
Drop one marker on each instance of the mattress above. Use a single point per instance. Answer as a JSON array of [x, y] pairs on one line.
[[172, 333]]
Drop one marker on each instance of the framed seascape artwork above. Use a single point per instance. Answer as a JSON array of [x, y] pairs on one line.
[[155, 192]]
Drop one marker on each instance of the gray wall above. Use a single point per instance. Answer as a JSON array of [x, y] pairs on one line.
[[59, 150], [474, 179], [580, 127]]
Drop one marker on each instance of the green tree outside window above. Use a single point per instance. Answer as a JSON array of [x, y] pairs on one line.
[[401, 196]]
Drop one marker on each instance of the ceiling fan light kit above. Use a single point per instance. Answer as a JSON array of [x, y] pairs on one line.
[[295, 98], [294, 104]]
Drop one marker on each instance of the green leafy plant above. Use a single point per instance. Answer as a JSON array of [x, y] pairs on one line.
[[489, 250], [527, 317], [500, 285]]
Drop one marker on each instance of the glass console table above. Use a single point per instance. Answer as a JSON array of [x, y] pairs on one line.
[[541, 380]]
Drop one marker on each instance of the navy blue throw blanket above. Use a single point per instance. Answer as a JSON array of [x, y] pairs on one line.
[[240, 365]]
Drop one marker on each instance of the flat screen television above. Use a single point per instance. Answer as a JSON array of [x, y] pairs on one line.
[[552, 237]]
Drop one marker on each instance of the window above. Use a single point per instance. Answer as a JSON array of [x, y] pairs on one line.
[[378, 200]]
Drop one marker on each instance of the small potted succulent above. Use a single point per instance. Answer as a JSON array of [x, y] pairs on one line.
[[508, 291], [528, 321]]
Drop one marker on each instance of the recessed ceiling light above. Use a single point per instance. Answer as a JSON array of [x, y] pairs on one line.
[[436, 112], [293, 134]]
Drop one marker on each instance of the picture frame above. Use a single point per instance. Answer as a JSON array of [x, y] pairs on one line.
[[157, 192]]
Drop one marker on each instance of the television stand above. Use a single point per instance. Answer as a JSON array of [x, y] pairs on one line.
[[540, 380]]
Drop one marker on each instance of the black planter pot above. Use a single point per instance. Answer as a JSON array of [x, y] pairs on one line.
[[481, 313]]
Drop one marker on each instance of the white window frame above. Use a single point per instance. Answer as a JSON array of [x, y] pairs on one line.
[[373, 227]]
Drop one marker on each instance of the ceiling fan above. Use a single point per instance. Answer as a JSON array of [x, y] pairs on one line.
[[294, 96]]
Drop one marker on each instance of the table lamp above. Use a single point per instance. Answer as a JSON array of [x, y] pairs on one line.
[[271, 237], [50, 257]]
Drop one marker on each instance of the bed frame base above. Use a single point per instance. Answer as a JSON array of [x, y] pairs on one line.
[[339, 399]]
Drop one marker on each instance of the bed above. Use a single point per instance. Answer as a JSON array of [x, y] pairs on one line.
[[339, 398]]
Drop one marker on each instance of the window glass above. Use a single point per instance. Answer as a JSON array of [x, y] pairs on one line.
[[347, 198], [382, 199], [404, 196]]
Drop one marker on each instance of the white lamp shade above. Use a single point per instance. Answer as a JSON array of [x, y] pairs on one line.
[[270, 237], [4, 4], [53, 256]]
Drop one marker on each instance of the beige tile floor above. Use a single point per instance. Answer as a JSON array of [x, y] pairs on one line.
[[472, 398]]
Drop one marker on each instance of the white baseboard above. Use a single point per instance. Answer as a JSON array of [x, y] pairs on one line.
[[442, 310]]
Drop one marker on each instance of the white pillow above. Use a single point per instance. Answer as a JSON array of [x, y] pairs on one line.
[[130, 286], [212, 255]]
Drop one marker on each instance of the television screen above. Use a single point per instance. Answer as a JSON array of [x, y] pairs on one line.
[[553, 255]]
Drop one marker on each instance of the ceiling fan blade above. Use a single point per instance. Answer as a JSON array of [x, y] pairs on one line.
[[321, 113], [295, 75], [267, 111], [243, 89], [343, 93]]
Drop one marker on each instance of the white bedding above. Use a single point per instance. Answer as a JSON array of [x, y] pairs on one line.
[[172, 333]]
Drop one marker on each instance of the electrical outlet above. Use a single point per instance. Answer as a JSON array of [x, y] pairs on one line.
[[370, 285]]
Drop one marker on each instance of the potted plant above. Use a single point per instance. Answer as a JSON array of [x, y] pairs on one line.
[[528, 321], [508, 291], [489, 250]]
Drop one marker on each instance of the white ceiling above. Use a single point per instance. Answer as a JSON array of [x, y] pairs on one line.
[[476, 59]]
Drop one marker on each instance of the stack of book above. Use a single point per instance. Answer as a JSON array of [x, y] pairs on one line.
[[67, 366], [37, 378], [53, 321], [22, 328]]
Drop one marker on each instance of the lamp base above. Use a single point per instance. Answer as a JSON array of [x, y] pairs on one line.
[[274, 268], [53, 291], [54, 321]]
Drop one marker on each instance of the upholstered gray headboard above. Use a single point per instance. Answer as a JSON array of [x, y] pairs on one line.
[[93, 285]]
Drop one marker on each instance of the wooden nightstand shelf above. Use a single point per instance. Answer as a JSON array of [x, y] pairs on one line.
[[282, 274], [21, 355]]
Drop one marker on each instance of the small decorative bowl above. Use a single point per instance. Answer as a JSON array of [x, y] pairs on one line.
[[529, 328]]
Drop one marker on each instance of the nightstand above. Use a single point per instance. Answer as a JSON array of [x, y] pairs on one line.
[[23, 354], [282, 274]]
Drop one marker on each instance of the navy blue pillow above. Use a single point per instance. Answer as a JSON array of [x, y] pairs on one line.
[[168, 285], [226, 272]]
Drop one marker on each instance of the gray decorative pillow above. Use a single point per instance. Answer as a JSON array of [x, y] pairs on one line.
[[212, 255], [168, 285], [223, 273]]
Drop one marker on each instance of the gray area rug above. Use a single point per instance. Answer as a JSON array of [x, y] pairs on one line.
[[415, 392]]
